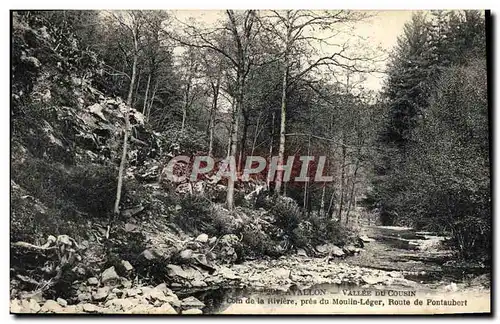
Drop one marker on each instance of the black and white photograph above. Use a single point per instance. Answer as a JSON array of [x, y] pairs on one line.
[[250, 162]]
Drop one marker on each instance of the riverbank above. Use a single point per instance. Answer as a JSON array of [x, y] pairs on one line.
[[291, 276]]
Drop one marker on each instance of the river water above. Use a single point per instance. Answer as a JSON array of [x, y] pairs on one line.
[[418, 256]]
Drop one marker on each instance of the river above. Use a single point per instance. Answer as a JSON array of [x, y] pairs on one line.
[[398, 267]]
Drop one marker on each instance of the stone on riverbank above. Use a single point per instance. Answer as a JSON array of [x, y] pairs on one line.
[[109, 276]]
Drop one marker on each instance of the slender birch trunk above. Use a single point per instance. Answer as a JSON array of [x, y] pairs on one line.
[[281, 151], [151, 101], [271, 148], [213, 111], [322, 205], [146, 95], [123, 161], [234, 141]]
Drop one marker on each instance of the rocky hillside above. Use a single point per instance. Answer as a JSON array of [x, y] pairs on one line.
[[69, 252]]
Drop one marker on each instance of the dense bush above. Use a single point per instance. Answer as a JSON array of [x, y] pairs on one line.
[[195, 215], [443, 181], [300, 229]]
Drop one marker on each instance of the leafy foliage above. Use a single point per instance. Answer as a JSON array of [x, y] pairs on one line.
[[433, 167]]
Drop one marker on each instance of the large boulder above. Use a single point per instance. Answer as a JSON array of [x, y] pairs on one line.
[[51, 306], [101, 294], [330, 249], [109, 276], [191, 302], [174, 271], [202, 238]]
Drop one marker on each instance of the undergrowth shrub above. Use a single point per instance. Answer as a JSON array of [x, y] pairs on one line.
[[89, 189], [195, 215]]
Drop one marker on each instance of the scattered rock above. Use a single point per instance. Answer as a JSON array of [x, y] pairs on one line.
[[127, 266], [101, 294], [51, 306], [91, 308], [227, 273], [166, 308], [83, 297], [198, 283], [395, 274], [97, 109], [73, 309], [186, 254], [191, 302], [192, 311], [302, 252], [336, 251], [163, 287], [280, 273], [30, 306], [202, 238], [37, 296], [132, 292], [331, 249], [366, 239], [154, 294], [128, 213], [150, 309], [120, 304], [93, 281], [62, 302], [322, 248], [109, 276], [130, 227], [372, 280], [452, 287], [401, 282], [174, 300], [176, 271], [148, 255], [351, 249], [117, 292], [15, 306], [126, 283]]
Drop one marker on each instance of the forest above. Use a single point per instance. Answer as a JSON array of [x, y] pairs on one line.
[[101, 101]]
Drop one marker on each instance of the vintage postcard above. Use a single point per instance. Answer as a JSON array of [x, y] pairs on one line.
[[189, 162]]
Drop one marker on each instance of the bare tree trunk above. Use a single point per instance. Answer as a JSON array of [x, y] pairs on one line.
[[322, 205], [255, 134], [213, 111], [151, 101], [330, 205], [137, 88], [229, 142], [271, 146], [146, 95], [352, 190], [186, 104], [306, 184], [243, 141], [342, 177], [123, 161], [281, 151], [232, 153]]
